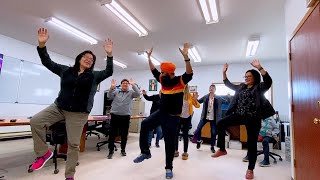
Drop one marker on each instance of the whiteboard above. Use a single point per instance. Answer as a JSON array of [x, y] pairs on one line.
[[38, 85], [9, 79]]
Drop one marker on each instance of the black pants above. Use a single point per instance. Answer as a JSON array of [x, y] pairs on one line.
[[121, 123], [169, 126], [253, 126], [184, 125]]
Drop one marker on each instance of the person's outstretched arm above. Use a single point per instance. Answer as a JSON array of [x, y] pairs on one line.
[[267, 81], [104, 74], [43, 37], [186, 77], [226, 80], [153, 69]]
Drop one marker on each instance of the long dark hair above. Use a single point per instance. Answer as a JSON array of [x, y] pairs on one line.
[[256, 76], [76, 66]]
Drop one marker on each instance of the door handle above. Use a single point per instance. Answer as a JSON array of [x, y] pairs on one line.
[[319, 104], [316, 121]]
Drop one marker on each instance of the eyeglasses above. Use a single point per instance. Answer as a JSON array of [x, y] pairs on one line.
[[246, 77], [124, 83], [88, 58]]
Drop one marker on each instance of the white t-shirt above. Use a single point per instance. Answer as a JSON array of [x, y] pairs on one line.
[[210, 110], [185, 109]]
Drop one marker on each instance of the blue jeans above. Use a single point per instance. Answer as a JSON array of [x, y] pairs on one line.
[[213, 130], [159, 134], [265, 143]]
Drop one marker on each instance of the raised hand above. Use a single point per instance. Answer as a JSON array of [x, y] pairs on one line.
[[108, 45], [149, 53], [43, 36], [195, 96], [225, 67], [144, 92], [113, 84], [131, 81], [184, 51], [256, 63]]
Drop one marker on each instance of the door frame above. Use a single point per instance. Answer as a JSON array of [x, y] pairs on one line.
[[291, 106]]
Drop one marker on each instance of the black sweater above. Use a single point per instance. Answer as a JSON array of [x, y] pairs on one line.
[[155, 102], [76, 91]]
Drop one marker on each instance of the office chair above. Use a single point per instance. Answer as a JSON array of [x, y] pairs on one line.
[[105, 129], [91, 128], [271, 154], [56, 135]]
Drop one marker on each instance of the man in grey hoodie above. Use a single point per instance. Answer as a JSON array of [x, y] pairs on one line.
[[121, 109]]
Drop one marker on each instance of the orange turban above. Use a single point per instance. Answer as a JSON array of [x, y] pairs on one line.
[[167, 67]]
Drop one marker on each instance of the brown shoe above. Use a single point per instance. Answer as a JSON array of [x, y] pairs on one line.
[[249, 174], [185, 156], [176, 154]]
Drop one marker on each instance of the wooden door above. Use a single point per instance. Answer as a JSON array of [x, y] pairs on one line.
[[305, 81]]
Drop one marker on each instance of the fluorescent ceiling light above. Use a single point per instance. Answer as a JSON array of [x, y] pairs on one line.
[[252, 47], [125, 16], [153, 59], [194, 54], [123, 66], [209, 10], [118, 63], [72, 30]]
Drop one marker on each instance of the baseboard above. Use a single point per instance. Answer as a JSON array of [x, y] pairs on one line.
[[15, 135]]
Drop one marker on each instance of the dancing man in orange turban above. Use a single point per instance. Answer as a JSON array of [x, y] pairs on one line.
[[170, 108]]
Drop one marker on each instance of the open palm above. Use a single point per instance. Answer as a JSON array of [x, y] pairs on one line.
[[184, 51], [131, 81], [108, 45], [149, 52], [256, 63], [113, 83], [43, 35]]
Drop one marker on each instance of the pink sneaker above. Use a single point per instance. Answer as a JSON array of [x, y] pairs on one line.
[[40, 162], [219, 153]]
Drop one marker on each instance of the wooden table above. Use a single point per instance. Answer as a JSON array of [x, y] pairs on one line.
[[22, 121]]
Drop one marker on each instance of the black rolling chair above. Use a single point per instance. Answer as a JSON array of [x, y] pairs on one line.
[[56, 135], [91, 130], [105, 129]]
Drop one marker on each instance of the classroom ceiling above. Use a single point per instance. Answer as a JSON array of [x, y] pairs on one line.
[[169, 22]]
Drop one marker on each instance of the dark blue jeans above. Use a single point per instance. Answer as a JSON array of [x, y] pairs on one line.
[[265, 143], [158, 133], [213, 130], [169, 126]]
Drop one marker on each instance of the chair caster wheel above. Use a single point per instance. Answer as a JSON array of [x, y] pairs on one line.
[[56, 171]]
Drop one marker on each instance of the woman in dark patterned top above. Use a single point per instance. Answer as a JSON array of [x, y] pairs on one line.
[[248, 107]]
